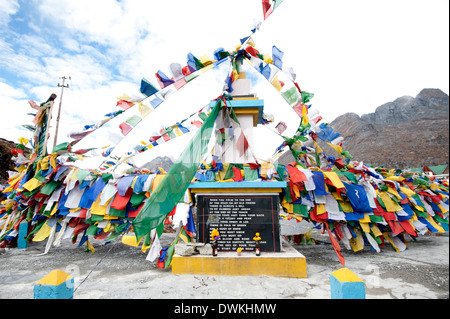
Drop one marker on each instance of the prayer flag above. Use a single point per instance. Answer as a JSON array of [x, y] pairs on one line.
[[147, 88], [277, 56], [163, 80]]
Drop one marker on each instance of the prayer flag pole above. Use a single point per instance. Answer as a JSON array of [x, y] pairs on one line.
[[50, 100]]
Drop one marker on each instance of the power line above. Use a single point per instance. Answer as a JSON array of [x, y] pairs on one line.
[[62, 86]]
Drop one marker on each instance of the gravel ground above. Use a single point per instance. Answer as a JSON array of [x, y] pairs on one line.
[[117, 271]]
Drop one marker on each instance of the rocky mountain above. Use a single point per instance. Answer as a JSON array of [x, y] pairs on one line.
[[6, 163], [408, 132], [164, 162]]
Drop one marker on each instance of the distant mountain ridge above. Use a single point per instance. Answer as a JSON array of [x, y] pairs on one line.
[[408, 132]]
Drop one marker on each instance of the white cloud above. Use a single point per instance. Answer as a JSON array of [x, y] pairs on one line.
[[7, 8], [8, 91], [13, 109]]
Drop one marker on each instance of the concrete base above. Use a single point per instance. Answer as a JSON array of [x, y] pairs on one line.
[[23, 231], [288, 263], [344, 284], [56, 285]]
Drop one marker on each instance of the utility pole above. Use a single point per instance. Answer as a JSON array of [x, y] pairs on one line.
[[62, 86]]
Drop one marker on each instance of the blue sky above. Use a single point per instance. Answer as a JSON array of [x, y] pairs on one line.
[[354, 55]]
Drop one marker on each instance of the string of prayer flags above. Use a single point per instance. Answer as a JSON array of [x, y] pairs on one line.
[[127, 126]]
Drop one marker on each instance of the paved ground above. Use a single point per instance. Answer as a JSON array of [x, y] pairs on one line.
[[117, 271]]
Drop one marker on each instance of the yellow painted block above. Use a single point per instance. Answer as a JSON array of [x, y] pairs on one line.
[[289, 264], [55, 278], [346, 275]]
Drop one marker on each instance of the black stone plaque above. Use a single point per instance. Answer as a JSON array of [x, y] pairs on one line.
[[238, 218]]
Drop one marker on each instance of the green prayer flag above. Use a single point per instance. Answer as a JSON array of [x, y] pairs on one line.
[[250, 174], [137, 199], [82, 174], [92, 230], [291, 96], [61, 147], [350, 176], [134, 120], [306, 97], [49, 188], [173, 186]]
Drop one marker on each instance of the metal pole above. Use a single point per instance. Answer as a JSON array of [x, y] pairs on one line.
[[59, 109]]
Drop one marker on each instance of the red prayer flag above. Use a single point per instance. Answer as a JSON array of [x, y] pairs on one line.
[[296, 175], [267, 8], [237, 175], [396, 228], [408, 227], [336, 246], [124, 104], [120, 202], [242, 144], [126, 128]]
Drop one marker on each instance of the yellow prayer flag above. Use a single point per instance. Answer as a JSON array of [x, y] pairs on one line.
[[289, 207], [276, 84], [334, 178], [54, 210], [207, 68], [205, 60], [386, 236], [366, 219], [32, 184], [9, 205], [107, 227], [133, 182], [443, 210], [144, 110], [395, 178], [124, 98], [130, 241], [391, 206], [96, 209], [434, 224], [90, 247], [177, 131], [375, 230], [145, 247], [337, 148], [320, 209], [23, 140], [73, 174], [357, 243], [346, 206], [365, 227], [53, 160], [318, 148], [43, 233], [407, 191], [394, 192], [13, 182], [268, 58], [305, 115]]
